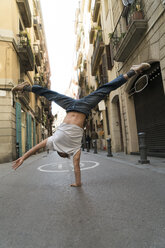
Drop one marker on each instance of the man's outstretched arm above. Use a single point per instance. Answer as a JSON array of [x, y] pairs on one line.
[[33, 150], [77, 172]]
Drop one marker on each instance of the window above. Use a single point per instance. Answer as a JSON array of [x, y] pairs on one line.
[[109, 54]]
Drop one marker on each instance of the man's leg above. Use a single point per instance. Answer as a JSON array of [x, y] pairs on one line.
[[95, 97], [60, 99]]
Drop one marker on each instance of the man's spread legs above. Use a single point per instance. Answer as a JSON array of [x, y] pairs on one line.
[[85, 104], [95, 97], [60, 99]]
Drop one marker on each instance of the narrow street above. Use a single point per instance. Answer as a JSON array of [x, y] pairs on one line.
[[120, 205]]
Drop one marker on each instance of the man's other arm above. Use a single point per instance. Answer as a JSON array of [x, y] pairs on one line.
[[77, 172], [33, 150]]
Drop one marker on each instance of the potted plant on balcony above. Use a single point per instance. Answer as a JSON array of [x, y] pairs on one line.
[[135, 12], [116, 39], [24, 38]]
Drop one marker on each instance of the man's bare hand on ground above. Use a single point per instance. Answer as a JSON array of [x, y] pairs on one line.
[[17, 163]]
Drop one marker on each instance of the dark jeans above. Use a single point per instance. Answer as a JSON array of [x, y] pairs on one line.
[[83, 105]]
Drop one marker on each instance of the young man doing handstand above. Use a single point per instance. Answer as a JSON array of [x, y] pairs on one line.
[[67, 138]]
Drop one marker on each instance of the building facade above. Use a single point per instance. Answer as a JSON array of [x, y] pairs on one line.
[[111, 36], [25, 119]]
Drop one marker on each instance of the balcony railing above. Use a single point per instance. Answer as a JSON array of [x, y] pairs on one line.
[[98, 50], [128, 31], [25, 12], [37, 53], [38, 80], [79, 60], [96, 10], [46, 106], [36, 26], [43, 100], [25, 96], [38, 113], [78, 42], [77, 19], [91, 35], [25, 52]]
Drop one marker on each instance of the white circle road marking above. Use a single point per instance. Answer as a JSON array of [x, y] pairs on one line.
[[59, 167]]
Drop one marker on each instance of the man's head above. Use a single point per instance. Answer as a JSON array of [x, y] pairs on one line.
[[63, 155]]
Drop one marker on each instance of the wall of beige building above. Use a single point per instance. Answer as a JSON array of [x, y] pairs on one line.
[[107, 20], [9, 76], [151, 48], [121, 108]]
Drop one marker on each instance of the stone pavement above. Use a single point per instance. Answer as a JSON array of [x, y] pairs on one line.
[[156, 163], [120, 204]]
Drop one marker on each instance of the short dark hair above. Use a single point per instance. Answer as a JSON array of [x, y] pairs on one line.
[[63, 154]]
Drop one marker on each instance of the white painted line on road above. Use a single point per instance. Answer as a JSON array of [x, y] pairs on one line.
[[62, 167], [42, 168], [89, 167]]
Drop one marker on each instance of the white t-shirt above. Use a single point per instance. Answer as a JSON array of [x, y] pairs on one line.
[[67, 139]]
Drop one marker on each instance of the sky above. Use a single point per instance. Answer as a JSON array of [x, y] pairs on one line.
[[59, 17]]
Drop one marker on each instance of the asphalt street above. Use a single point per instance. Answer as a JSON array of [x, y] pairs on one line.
[[120, 205]]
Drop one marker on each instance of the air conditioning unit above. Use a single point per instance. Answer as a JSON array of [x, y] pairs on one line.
[[127, 2]]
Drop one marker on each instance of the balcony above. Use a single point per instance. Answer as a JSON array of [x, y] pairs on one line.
[[85, 63], [37, 113], [81, 78], [25, 52], [38, 80], [25, 12], [37, 53], [46, 105], [43, 79], [77, 19], [36, 26], [78, 42], [98, 50], [96, 10], [128, 32], [89, 5], [25, 96], [79, 60], [91, 35], [43, 100]]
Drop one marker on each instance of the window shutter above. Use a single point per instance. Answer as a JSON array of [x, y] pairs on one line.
[[109, 53], [30, 131], [27, 131], [18, 128], [34, 132], [104, 69]]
